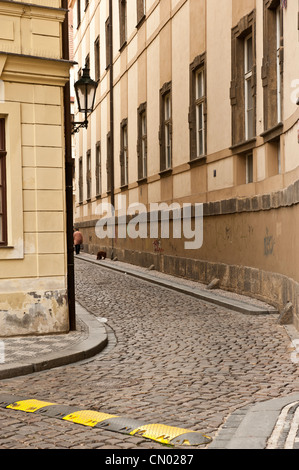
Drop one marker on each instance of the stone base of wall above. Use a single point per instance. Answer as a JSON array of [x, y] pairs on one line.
[[275, 289], [33, 313], [249, 244]]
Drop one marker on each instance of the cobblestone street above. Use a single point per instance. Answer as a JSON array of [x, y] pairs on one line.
[[171, 359]]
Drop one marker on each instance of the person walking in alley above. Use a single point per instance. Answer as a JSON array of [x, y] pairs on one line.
[[78, 240]]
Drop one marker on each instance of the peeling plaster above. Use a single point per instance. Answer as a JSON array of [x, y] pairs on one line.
[[33, 313]]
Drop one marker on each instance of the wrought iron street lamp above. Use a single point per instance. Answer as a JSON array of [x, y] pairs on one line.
[[85, 89]]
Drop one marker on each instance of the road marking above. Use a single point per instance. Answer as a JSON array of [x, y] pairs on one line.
[[161, 433], [279, 426]]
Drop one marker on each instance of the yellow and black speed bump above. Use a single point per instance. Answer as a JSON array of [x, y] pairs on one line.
[[157, 432]]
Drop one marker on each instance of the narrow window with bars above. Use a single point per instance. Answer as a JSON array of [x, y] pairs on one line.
[[3, 209]]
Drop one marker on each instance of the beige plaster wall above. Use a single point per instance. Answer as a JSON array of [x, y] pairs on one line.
[[33, 292], [173, 34]]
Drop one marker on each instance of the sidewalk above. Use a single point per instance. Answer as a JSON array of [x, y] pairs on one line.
[[272, 424], [28, 354]]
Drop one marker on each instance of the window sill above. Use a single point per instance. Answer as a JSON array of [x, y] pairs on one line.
[[140, 22], [142, 180], [272, 133], [122, 46], [124, 187], [165, 173], [8, 247], [244, 146], [198, 161]]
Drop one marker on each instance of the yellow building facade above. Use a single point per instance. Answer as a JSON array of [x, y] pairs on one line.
[[196, 104], [33, 243]]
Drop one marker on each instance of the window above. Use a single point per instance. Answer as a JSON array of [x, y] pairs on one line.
[[87, 62], [248, 64], [107, 37], [273, 158], [98, 169], [167, 129], [200, 125], [97, 58], [142, 142], [78, 13], [197, 110], [80, 180], [165, 133], [108, 162], [272, 68], [243, 84], [122, 22], [249, 168], [124, 153], [3, 215], [88, 174], [140, 11]]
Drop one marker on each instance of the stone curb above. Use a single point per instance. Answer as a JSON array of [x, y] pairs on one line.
[[231, 304], [96, 341], [251, 427]]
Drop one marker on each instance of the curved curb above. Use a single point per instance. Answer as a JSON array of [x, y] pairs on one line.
[[252, 427], [96, 341]]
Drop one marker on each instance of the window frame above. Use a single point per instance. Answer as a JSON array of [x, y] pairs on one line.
[[142, 142], [107, 39], [248, 74], [88, 175], [141, 12], [98, 169], [249, 167], [80, 180], [108, 161], [165, 131], [78, 13], [124, 154], [197, 68], [245, 28], [97, 64], [122, 5]]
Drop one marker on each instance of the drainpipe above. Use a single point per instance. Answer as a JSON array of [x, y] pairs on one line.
[[111, 113], [68, 178]]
